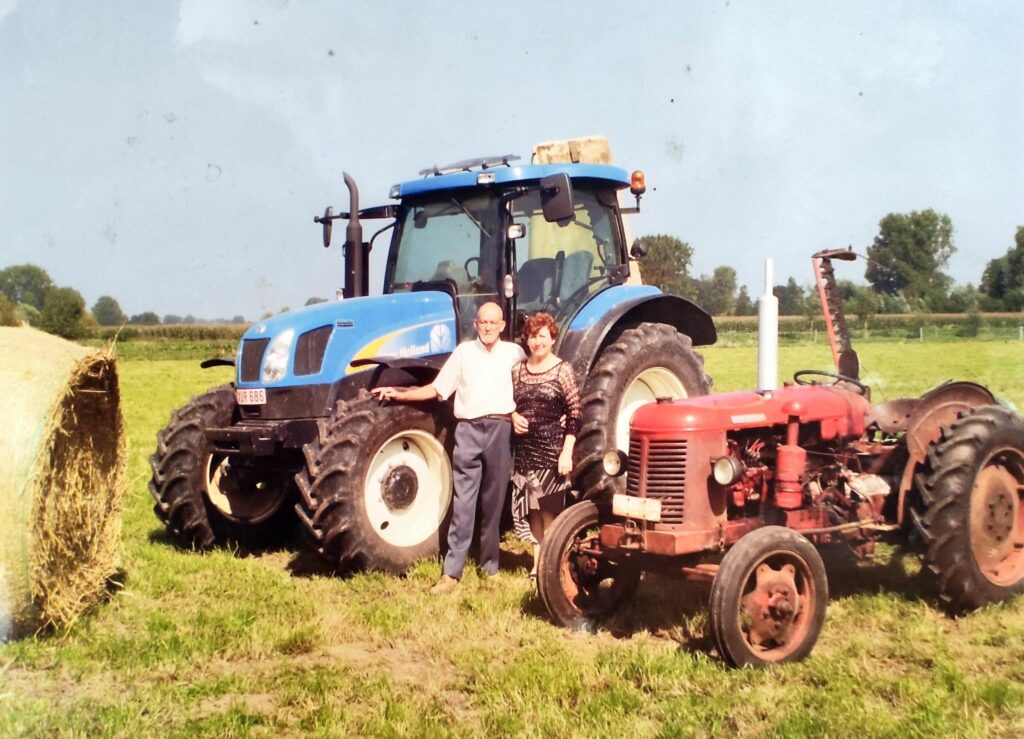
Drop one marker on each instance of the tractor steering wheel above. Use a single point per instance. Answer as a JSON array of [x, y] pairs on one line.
[[798, 378]]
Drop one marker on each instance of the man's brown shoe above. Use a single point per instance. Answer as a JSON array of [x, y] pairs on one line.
[[445, 585]]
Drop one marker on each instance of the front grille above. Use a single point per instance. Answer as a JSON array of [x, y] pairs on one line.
[[661, 476], [252, 358], [309, 350]]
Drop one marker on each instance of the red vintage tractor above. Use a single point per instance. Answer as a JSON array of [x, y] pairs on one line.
[[765, 477]]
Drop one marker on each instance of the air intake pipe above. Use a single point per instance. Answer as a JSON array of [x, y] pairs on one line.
[[767, 335]]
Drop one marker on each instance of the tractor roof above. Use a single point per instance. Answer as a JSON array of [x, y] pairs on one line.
[[468, 173]]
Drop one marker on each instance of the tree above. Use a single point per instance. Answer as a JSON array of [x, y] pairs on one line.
[[908, 255], [7, 315], [25, 283], [863, 302], [108, 312], [963, 299], [63, 312], [1003, 279], [667, 264], [238, 319], [189, 319], [149, 318], [792, 299], [744, 305], [717, 294], [171, 320]]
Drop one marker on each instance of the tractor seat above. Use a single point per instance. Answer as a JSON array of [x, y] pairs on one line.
[[536, 283]]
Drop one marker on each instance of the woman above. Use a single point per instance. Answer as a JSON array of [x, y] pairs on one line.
[[546, 420]]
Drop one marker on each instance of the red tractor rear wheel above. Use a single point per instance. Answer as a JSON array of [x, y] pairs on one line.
[[973, 496]]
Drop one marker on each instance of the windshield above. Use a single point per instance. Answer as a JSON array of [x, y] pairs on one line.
[[451, 237]]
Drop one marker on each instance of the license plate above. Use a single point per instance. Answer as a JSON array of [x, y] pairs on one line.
[[251, 396], [629, 506]]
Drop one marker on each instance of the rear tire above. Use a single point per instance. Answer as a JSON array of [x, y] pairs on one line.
[[205, 498], [377, 489], [769, 598], [644, 363], [973, 497], [578, 589]]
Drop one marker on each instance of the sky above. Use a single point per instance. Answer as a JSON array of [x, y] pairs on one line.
[[173, 155]]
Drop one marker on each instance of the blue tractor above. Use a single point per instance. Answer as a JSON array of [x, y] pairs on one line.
[[297, 435]]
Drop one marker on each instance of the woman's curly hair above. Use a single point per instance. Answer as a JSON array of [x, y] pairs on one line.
[[538, 321]]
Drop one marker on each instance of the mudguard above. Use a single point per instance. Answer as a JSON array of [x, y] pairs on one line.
[[619, 307]]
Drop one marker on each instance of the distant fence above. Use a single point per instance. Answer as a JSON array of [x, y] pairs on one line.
[[189, 342], [888, 327]]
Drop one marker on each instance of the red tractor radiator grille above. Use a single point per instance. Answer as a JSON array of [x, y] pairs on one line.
[[657, 469], [252, 358]]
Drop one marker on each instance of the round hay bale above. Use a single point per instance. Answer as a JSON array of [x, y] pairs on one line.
[[61, 481]]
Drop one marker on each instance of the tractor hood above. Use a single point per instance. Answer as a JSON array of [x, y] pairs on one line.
[[840, 412], [317, 344]]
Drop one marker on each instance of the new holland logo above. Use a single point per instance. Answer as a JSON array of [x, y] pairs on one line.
[[440, 339]]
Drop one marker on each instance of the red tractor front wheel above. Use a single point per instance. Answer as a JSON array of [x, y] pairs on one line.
[[768, 599]]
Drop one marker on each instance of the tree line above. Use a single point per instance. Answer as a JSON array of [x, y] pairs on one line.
[[29, 295], [905, 274]]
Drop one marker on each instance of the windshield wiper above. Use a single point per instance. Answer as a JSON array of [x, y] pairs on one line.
[[471, 217]]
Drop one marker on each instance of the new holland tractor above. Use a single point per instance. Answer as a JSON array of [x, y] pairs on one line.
[[737, 489], [297, 432]]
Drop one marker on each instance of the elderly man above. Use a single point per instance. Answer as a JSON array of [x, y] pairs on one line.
[[479, 372]]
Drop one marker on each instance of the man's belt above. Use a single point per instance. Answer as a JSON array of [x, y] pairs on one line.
[[491, 417]]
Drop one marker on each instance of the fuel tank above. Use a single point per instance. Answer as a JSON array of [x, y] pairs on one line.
[[840, 412]]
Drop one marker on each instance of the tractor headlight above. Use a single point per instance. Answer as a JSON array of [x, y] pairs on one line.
[[727, 470], [275, 363], [614, 463]]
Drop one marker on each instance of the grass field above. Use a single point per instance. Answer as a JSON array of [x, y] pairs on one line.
[[222, 644]]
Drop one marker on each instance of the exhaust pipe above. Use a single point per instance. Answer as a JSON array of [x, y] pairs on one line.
[[767, 335], [357, 279]]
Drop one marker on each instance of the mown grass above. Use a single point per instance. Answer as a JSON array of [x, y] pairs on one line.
[[229, 644]]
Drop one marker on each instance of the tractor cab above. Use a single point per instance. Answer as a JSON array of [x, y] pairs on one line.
[[528, 237]]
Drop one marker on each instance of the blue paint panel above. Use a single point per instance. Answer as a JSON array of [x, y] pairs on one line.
[[596, 310], [414, 324], [615, 176]]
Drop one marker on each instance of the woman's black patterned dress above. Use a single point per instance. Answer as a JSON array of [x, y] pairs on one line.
[[544, 399]]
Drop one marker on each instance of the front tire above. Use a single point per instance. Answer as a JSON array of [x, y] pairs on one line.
[[377, 489], [577, 584], [644, 363], [768, 599], [973, 522], [205, 498]]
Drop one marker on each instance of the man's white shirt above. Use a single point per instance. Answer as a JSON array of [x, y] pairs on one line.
[[480, 379]]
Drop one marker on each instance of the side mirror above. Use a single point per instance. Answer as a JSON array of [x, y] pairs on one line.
[[328, 223], [639, 250], [556, 197]]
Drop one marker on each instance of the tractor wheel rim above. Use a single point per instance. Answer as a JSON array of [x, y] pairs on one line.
[[239, 499], [589, 582], [646, 387], [408, 488], [777, 606], [997, 518]]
